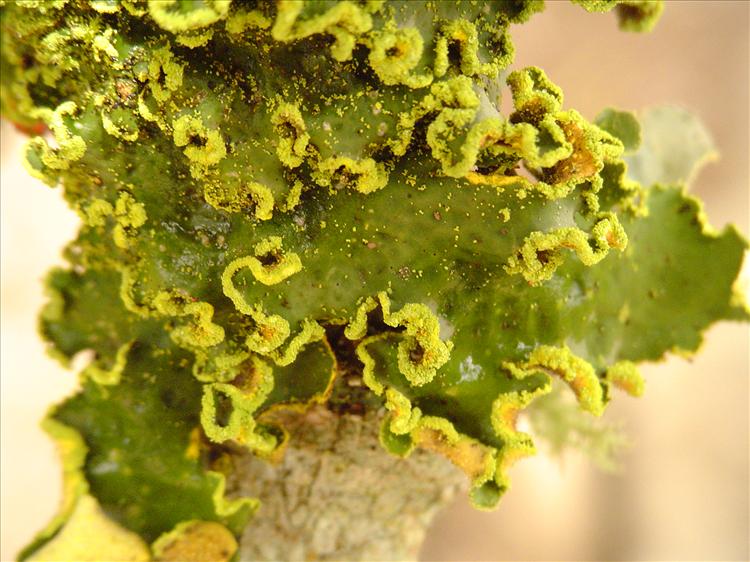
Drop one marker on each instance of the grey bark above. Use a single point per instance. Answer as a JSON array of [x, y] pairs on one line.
[[338, 495]]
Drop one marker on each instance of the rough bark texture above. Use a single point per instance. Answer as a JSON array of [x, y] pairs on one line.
[[337, 495]]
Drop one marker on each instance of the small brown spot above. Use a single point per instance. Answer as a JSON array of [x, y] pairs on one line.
[[270, 259], [437, 215], [416, 354], [124, 89], [267, 332], [372, 245], [197, 140], [247, 376], [395, 51]]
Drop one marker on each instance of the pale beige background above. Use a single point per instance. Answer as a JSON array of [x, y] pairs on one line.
[[683, 490]]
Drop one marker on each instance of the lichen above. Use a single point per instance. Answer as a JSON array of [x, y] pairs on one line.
[[301, 203], [196, 541], [541, 252], [238, 424], [626, 376], [90, 535], [43, 161]]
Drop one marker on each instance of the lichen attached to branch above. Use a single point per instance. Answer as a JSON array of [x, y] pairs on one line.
[[300, 204]]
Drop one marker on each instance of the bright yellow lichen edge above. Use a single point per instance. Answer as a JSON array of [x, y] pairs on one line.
[[196, 335], [108, 376], [394, 51], [196, 541], [421, 335], [72, 451], [271, 330], [129, 215], [581, 148], [453, 105], [345, 21], [245, 396], [81, 530], [454, 100], [578, 373], [178, 20], [275, 414], [241, 426], [421, 332], [199, 335], [293, 148], [464, 33], [204, 147], [201, 332], [217, 360], [405, 427], [89, 535], [541, 252], [188, 128], [40, 159]]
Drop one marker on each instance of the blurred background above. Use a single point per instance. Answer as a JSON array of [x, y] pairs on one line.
[[682, 490]]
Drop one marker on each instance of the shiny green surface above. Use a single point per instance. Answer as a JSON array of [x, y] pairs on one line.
[[139, 465]]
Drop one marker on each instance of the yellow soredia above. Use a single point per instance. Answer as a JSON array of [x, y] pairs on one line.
[[90, 536], [196, 541]]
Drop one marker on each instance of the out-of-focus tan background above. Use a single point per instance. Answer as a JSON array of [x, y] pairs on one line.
[[682, 493]]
